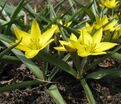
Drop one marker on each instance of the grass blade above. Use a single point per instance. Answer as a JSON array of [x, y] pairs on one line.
[[55, 94], [8, 49], [58, 62], [14, 15], [32, 66], [88, 92], [102, 73], [9, 58], [24, 84]]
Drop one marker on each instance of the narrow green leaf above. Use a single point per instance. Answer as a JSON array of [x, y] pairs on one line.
[[94, 7], [24, 84], [75, 15], [116, 56], [2, 8], [5, 38], [32, 66], [8, 49], [71, 2], [58, 62], [55, 69], [88, 92], [9, 58], [102, 73], [14, 15], [55, 94], [76, 60], [10, 8], [89, 13], [52, 11]]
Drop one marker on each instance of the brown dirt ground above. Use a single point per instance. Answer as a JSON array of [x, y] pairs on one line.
[[106, 91]]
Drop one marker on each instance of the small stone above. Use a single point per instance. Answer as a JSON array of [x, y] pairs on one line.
[[109, 98]]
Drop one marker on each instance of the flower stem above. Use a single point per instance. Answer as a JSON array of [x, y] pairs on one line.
[[80, 72], [88, 92]]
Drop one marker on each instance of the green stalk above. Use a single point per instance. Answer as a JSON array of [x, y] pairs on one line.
[[76, 60], [72, 5], [80, 72], [88, 92]]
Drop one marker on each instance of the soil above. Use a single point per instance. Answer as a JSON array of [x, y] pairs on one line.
[[106, 91]]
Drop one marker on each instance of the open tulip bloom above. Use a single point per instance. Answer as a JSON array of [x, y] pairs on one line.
[[34, 41], [105, 23], [92, 45], [87, 44], [110, 3]]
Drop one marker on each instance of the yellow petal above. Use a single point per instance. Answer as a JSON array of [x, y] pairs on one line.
[[110, 25], [83, 52], [98, 53], [104, 20], [97, 36], [103, 46], [47, 35], [67, 24], [63, 42], [89, 28], [23, 47], [47, 43], [100, 22], [35, 30], [85, 38], [75, 44], [21, 34], [73, 37], [69, 48], [31, 53], [61, 48]]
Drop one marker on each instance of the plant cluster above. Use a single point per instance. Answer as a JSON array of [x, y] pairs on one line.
[[83, 34]]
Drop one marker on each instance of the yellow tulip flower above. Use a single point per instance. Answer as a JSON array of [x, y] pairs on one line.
[[91, 45], [105, 23], [66, 45], [34, 41], [110, 3]]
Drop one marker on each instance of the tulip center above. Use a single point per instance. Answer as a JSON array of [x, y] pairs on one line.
[[34, 44]]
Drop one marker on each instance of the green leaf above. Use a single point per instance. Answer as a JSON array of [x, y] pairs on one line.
[[88, 92], [9, 58], [24, 84], [5, 38], [77, 13], [89, 13], [55, 94], [15, 13], [58, 62], [8, 49], [10, 8], [116, 56], [104, 73], [95, 7], [32, 66], [71, 3], [116, 74]]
